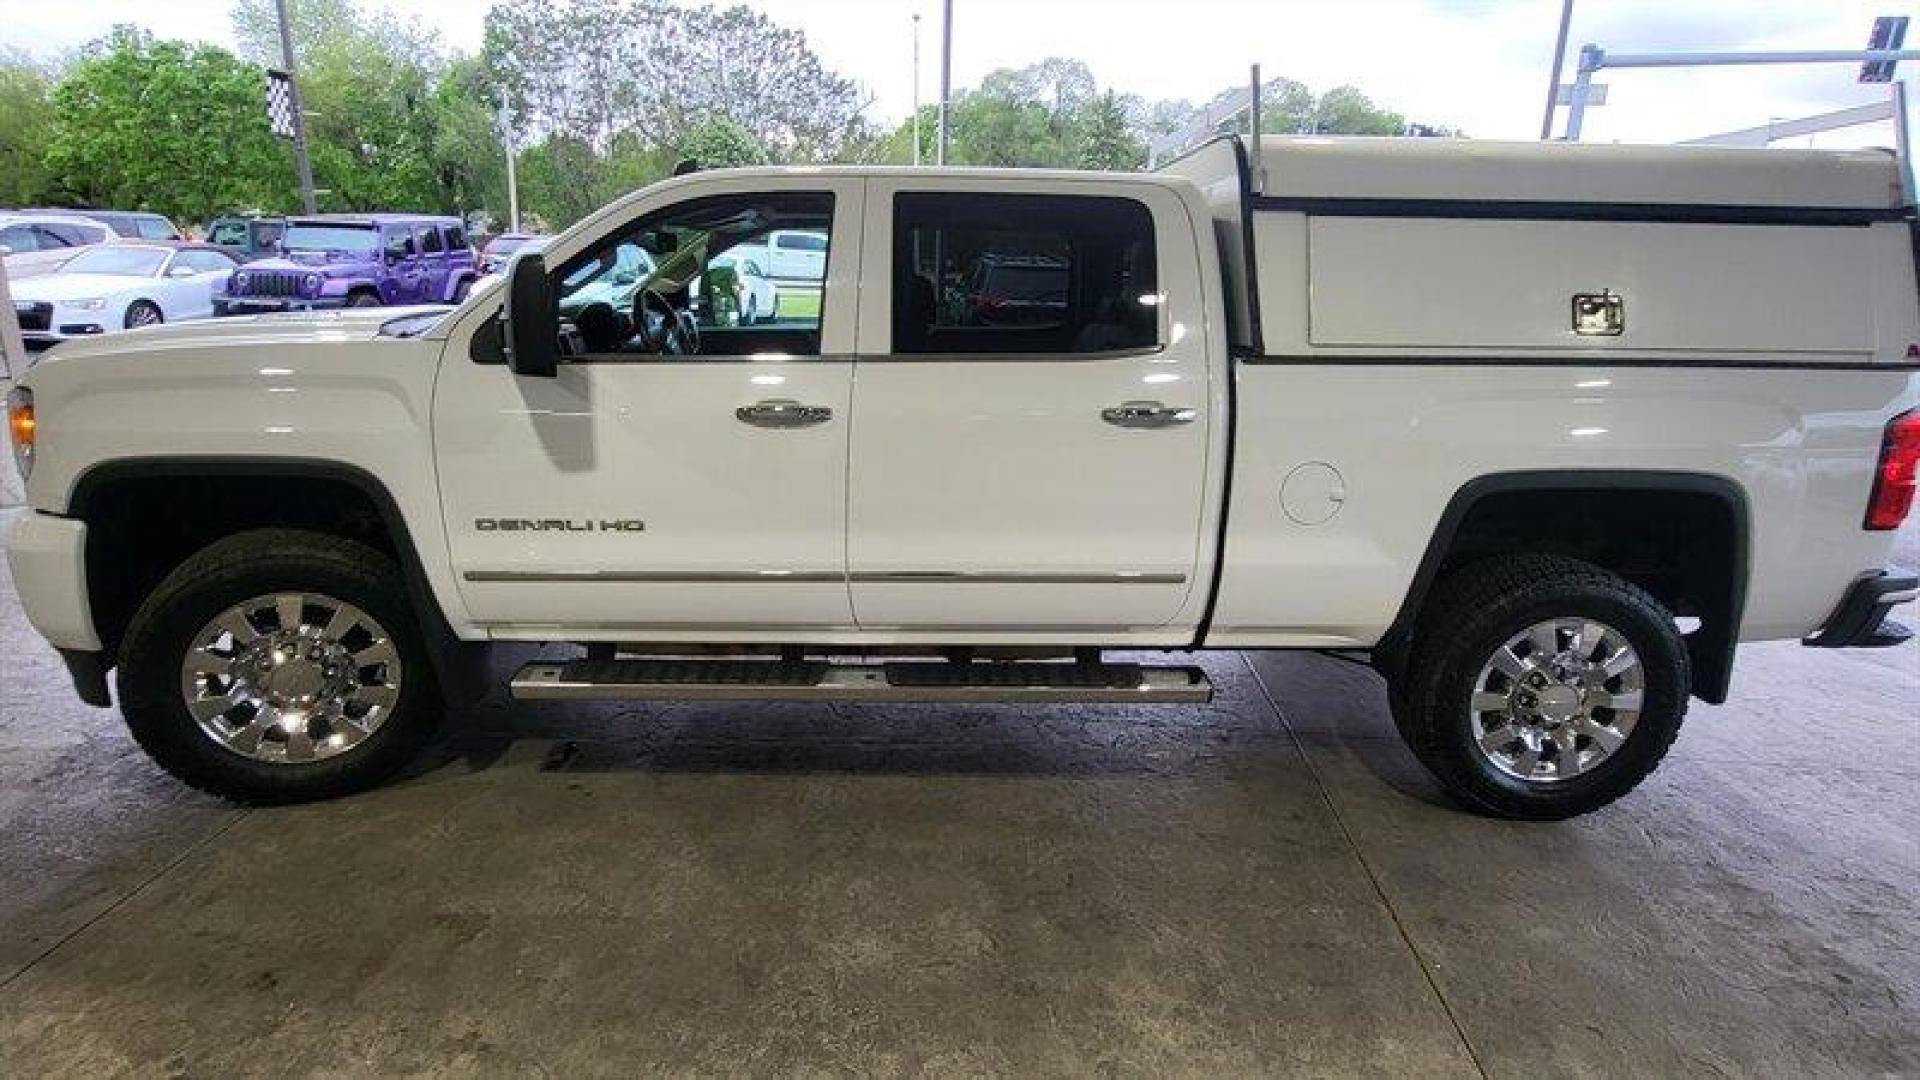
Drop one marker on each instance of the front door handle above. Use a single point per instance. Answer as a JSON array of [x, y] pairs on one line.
[[1147, 414], [783, 413]]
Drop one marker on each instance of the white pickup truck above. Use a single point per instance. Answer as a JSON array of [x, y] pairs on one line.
[[1543, 430]]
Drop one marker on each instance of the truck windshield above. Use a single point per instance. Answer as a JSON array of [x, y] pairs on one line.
[[308, 236]]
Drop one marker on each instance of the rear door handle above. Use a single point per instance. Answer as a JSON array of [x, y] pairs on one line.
[[1147, 414], [783, 413]]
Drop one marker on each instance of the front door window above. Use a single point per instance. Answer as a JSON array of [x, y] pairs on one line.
[[689, 281]]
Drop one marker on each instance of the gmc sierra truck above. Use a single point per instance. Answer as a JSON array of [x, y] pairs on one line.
[[1544, 431]]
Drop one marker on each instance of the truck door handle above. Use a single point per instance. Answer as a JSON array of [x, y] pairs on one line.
[[783, 413], [1147, 414]]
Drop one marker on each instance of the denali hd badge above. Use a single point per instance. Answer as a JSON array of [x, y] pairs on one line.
[[631, 525]]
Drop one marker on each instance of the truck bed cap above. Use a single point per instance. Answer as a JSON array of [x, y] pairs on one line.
[[1316, 167]]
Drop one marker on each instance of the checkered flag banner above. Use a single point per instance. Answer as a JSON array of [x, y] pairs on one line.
[[280, 103]]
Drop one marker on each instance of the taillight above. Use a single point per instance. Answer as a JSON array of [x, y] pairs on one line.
[[1899, 466], [22, 428]]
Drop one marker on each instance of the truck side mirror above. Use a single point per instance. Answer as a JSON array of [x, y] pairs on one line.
[[532, 320]]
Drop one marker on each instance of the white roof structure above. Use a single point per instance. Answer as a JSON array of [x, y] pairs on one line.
[[1308, 166]]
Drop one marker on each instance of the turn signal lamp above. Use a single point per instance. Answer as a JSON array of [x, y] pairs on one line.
[[1899, 469], [21, 427]]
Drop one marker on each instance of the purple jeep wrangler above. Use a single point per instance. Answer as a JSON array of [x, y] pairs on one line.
[[355, 260]]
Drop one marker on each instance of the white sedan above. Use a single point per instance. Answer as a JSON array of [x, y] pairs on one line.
[[758, 298], [120, 286]]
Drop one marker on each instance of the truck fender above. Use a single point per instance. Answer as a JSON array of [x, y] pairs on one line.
[[461, 667], [1712, 653]]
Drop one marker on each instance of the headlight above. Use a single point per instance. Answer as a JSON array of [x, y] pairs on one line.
[[238, 282], [312, 283], [91, 303], [22, 428]]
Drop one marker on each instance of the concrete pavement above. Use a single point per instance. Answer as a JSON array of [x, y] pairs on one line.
[[1267, 885]]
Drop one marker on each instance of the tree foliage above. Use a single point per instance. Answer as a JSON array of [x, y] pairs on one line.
[[26, 122], [1053, 113], [393, 124], [598, 69], [598, 96], [718, 143], [162, 125], [1107, 140]]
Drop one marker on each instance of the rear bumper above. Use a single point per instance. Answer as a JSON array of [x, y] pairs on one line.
[[1861, 619]]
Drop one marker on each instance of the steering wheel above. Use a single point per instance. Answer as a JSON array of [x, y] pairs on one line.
[[677, 333]]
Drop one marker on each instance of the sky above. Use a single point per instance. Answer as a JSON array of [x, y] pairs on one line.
[[1477, 65]]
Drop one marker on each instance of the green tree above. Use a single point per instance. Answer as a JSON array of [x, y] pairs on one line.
[[562, 179], [468, 155], [1344, 110], [164, 125], [372, 85], [1106, 139], [717, 142], [26, 124]]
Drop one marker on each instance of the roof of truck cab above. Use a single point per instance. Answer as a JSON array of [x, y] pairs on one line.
[[1320, 167]]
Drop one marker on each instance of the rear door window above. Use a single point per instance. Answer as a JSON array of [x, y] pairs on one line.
[[1040, 274]]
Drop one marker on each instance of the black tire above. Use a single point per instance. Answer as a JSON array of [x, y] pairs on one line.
[[142, 313], [1471, 614], [229, 572], [363, 299]]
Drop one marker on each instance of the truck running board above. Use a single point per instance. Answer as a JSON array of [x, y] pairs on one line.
[[785, 680]]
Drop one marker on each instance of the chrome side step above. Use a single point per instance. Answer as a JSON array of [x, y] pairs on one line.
[[787, 680]]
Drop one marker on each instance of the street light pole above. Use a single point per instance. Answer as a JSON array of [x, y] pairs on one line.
[[946, 77], [300, 158], [503, 127], [916, 88], [513, 191], [1559, 62]]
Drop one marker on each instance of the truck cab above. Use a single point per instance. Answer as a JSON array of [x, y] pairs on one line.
[[1483, 415]]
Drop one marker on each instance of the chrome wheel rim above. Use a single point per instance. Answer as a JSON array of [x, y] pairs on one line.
[[1556, 700], [291, 678], [144, 315]]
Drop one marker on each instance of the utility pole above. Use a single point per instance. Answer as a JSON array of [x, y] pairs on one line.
[[513, 191], [300, 158], [946, 77], [1559, 61], [503, 123], [916, 88]]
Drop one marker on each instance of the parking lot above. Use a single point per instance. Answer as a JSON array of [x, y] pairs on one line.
[[1267, 885]]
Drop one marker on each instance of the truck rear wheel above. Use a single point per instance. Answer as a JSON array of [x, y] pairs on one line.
[[278, 666], [1540, 687]]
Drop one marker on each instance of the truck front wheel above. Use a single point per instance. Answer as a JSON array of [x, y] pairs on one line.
[[278, 666], [1541, 687]]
